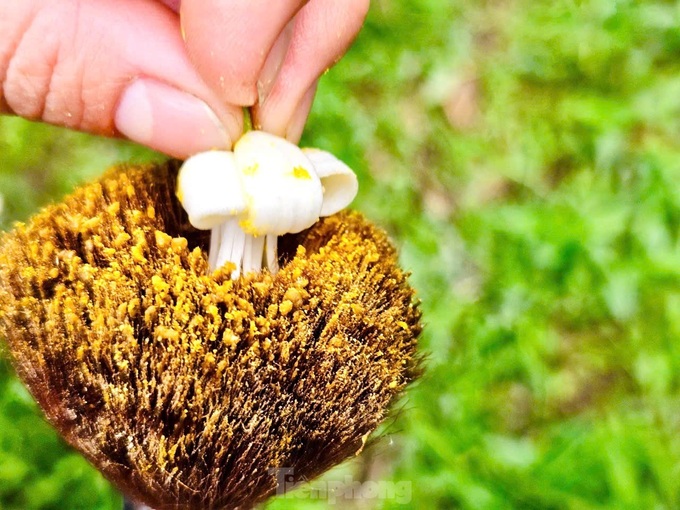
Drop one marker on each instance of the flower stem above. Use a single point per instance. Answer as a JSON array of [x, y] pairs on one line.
[[247, 119]]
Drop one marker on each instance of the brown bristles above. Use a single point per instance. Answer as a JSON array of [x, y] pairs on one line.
[[187, 389]]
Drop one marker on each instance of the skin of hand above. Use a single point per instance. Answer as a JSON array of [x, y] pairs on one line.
[[171, 74]]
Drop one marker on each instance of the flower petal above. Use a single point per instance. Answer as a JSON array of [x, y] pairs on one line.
[[284, 193], [209, 188], [339, 182]]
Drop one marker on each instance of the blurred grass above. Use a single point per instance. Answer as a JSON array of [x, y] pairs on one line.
[[525, 157]]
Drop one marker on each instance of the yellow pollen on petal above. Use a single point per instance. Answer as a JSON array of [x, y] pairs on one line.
[[251, 169], [301, 173], [247, 226]]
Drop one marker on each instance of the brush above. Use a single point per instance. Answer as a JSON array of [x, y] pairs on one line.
[[186, 388]]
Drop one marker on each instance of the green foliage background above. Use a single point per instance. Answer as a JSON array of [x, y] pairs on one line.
[[525, 157]]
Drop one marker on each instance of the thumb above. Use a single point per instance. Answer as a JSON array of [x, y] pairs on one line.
[[111, 67]]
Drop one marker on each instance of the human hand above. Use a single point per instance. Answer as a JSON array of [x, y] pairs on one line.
[[126, 68]]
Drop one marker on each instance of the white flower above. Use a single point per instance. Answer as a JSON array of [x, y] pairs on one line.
[[265, 188]]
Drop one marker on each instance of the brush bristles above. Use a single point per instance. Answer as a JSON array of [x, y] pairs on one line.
[[185, 388]]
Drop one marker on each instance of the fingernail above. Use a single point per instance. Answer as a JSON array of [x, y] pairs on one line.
[[296, 125], [168, 120], [272, 66]]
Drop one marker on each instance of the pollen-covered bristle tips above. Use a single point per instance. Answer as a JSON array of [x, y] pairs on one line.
[[186, 387]]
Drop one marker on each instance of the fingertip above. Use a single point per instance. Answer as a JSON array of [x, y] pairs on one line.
[[323, 31]]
